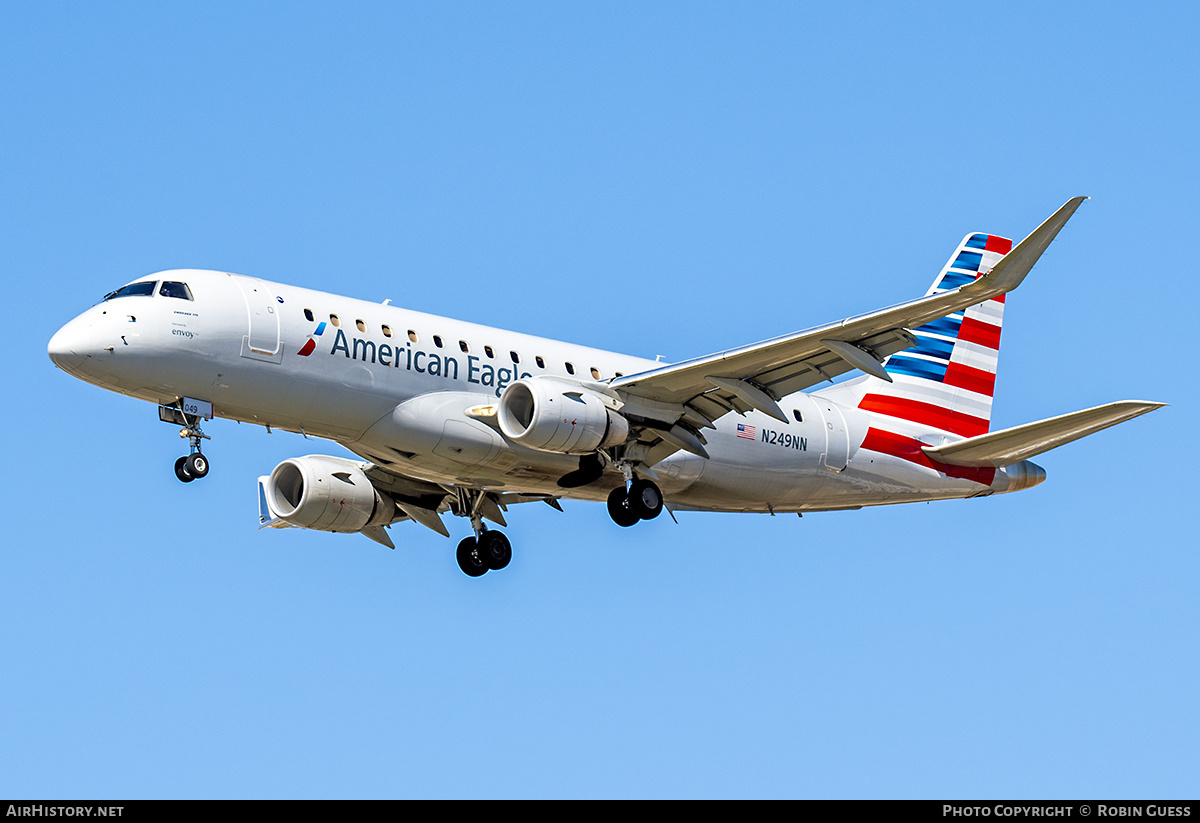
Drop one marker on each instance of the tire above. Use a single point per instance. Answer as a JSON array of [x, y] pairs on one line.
[[469, 560], [197, 464], [181, 470], [619, 508], [646, 499], [495, 550]]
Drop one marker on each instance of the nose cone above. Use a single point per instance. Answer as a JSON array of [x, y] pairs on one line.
[[68, 347]]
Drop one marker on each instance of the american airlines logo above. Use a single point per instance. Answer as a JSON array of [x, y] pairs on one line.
[[311, 343]]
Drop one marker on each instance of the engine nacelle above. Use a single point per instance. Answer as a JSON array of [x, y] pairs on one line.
[[553, 415], [331, 494]]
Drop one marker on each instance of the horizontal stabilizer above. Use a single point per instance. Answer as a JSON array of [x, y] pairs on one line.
[[1009, 446]]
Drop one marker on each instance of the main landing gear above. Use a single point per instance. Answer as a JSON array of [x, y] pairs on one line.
[[640, 500], [488, 550]]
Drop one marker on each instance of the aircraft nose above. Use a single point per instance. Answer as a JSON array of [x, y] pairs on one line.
[[68, 348]]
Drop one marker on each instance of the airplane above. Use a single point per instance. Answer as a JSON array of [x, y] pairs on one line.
[[456, 417]]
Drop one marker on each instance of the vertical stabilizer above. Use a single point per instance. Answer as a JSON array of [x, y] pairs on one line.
[[946, 381]]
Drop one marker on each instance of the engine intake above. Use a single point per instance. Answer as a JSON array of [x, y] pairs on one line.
[[326, 493], [553, 415]]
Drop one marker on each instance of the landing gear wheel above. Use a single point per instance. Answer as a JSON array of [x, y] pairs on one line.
[[181, 470], [196, 464], [620, 508], [495, 550], [469, 559], [645, 499]]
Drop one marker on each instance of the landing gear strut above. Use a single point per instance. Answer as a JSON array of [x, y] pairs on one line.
[[641, 500]]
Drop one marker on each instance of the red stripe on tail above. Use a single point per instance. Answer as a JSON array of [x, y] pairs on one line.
[[1000, 244], [965, 377], [925, 413], [976, 331]]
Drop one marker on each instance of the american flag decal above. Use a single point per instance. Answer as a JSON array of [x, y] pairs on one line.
[[748, 432]]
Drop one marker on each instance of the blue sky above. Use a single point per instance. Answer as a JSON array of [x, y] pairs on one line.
[[664, 179]]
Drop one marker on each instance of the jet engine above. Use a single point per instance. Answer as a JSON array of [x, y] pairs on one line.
[[326, 493], [554, 415]]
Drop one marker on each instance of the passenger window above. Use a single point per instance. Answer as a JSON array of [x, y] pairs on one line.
[[333, 318], [541, 363], [570, 369], [437, 341], [180, 290], [462, 344], [515, 357], [412, 335], [361, 325], [488, 351], [308, 315], [387, 330], [595, 373], [796, 414]]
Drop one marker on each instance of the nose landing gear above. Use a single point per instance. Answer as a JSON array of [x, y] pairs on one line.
[[193, 465], [188, 413]]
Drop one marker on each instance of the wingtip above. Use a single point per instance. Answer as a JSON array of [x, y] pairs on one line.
[[1012, 268]]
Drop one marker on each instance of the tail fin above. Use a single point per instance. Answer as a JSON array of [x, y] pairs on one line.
[[946, 381]]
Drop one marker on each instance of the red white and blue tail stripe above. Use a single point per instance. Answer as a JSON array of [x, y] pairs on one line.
[[944, 384]]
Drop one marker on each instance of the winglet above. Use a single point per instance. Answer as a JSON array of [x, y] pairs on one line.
[[1011, 270]]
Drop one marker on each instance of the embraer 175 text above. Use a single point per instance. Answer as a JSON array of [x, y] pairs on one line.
[[461, 418]]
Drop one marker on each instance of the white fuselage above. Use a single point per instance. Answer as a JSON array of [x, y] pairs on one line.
[[394, 385]]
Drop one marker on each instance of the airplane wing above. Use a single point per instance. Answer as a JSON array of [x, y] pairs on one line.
[[424, 502], [758, 375], [417, 500]]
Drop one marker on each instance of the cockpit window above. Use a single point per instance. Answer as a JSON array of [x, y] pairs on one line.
[[180, 290], [144, 288]]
